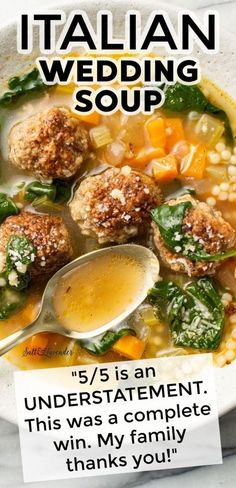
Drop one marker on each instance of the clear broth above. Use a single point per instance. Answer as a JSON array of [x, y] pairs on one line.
[[97, 292]]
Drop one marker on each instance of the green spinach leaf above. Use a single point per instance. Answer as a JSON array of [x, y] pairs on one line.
[[101, 344], [37, 189], [58, 191], [22, 85], [185, 98], [63, 191], [20, 254], [10, 301], [7, 207], [169, 219], [195, 314]]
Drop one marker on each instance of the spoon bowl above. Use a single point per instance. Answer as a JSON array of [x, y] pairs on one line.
[[47, 321]]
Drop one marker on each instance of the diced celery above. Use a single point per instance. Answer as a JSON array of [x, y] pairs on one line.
[[171, 351], [44, 204], [149, 317], [217, 173], [209, 130], [100, 136]]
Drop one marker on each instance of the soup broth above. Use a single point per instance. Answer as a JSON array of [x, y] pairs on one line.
[[101, 282], [97, 292]]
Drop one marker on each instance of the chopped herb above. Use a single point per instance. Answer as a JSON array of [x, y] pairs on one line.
[[63, 191], [7, 207], [169, 219], [20, 254], [58, 192], [195, 314], [101, 344], [10, 301], [185, 98], [37, 189], [22, 85]]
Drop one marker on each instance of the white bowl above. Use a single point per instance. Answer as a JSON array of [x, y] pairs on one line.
[[220, 68]]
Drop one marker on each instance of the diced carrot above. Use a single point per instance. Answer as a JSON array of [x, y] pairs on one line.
[[165, 169], [157, 132], [174, 132], [65, 89], [145, 156], [93, 119], [193, 165], [39, 341], [129, 346]]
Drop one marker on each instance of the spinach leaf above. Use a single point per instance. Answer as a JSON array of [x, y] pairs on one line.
[[37, 189], [7, 207], [184, 98], [195, 314], [10, 301], [101, 344], [22, 85], [169, 219], [63, 191], [58, 191], [20, 254]]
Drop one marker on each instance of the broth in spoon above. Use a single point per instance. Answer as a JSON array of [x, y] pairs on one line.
[[98, 291]]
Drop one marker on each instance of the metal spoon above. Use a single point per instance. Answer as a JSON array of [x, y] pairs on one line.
[[47, 321]]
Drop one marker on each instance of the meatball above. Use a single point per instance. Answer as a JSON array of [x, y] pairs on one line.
[[47, 233], [51, 144], [115, 205], [208, 228]]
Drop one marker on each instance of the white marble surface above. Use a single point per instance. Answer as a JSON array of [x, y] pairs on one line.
[[214, 476]]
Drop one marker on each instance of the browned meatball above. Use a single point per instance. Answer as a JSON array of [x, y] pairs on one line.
[[208, 228], [51, 144], [115, 205], [47, 233]]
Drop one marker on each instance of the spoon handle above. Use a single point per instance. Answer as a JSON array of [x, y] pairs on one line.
[[17, 337]]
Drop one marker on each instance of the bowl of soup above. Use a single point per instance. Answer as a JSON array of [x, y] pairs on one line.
[[73, 184]]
